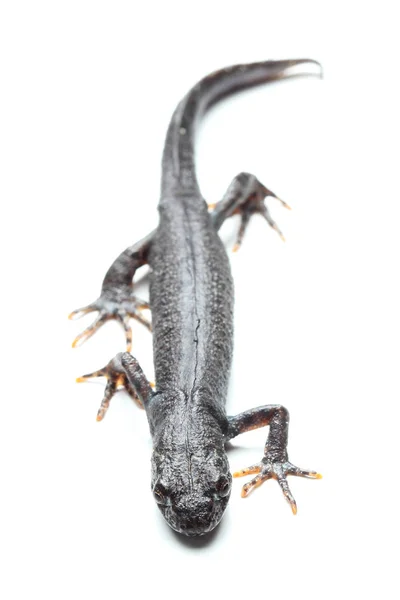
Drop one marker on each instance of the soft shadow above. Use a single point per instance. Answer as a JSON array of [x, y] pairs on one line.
[[229, 447], [201, 541]]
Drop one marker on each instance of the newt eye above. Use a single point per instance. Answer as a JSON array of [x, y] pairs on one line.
[[159, 494], [223, 487]]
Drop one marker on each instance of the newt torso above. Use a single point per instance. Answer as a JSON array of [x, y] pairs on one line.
[[191, 295]]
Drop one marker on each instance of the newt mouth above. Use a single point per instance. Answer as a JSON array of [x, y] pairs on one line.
[[193, 523]]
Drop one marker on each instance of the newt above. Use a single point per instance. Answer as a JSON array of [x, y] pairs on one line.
[[191, 302]]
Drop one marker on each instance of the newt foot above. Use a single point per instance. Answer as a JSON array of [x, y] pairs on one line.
[[112, 306], [116, 376], [268, 469], [255, 203]]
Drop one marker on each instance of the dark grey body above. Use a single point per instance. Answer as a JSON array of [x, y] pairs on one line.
[[191, 290], [191, 295], [191, 299]]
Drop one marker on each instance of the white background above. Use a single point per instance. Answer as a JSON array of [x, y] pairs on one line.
[[87, 89]]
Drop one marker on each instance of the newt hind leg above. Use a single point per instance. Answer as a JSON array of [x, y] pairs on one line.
[[120, 305], [117, 300], [245, 196]]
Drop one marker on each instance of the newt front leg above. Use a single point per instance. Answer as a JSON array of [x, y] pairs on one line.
[[275, 463], [123, 370]]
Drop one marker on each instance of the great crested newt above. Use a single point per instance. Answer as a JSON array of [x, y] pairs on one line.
[[191, 302]]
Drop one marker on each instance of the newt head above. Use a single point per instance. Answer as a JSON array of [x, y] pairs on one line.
[[191, 485]]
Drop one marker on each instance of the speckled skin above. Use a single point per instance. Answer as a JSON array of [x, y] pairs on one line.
[[191, 299]]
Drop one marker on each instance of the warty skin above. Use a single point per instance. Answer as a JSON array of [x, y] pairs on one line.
[[191, 300]]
